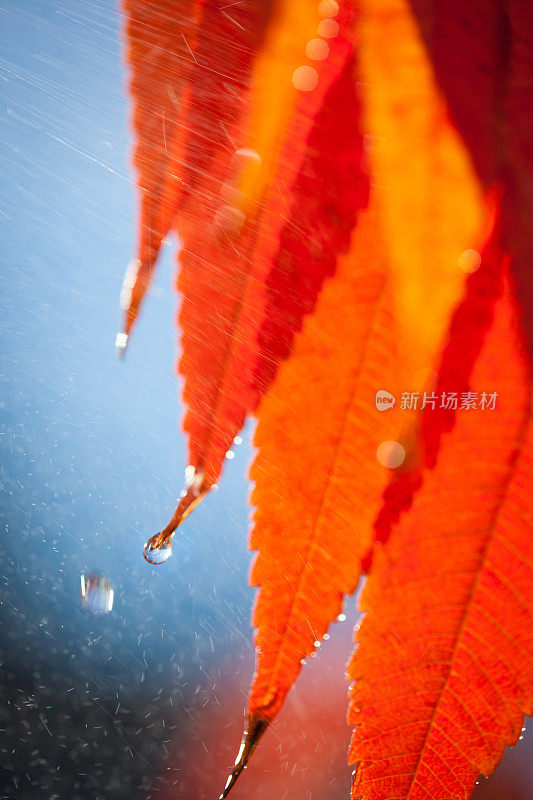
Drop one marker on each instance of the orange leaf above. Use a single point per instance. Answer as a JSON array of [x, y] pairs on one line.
[[307, 492], [319, 484]]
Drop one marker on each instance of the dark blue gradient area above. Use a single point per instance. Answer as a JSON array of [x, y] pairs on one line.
[[146, 701]]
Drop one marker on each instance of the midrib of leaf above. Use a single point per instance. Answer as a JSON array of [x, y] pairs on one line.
[[340, 438], [464, 619]]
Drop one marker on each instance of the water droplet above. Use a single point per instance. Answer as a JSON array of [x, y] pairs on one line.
[[317, 643], [328, 28], [230, 454], [326, 636], [156, 553], [469, 261], [237, 440], [317, 49], [96, 593], [305, 79], [253, 731], [390, 454], [328, 8], [341, 618], [121, 342]]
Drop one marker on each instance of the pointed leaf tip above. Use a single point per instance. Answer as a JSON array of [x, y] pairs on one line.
[[253, 731]]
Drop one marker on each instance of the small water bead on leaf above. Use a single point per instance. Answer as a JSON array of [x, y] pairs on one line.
[[305, 78], [328, 28], [328, 8], [390, 454], [469, 261], [96, 593], [317, 49], [156, 552]]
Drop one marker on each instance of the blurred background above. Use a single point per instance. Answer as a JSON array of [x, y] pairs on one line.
[[147, 700]]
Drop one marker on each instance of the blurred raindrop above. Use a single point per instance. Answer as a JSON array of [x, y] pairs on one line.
[[96, 593]]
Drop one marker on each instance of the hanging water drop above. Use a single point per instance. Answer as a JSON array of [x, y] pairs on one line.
[[96, 593], [158, 548], [156, 551]]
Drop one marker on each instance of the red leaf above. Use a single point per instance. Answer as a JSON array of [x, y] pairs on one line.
[[443, 670], [242, 235]]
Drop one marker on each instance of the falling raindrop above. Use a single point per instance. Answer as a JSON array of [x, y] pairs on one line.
[[157, 552], [96, 593]]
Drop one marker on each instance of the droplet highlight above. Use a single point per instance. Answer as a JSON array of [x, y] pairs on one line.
[[328, 8], [317, 49], [469, 261], [96, 592], [121, 343], [156, 551], [158, 548], [305, 79], [391, 454]]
